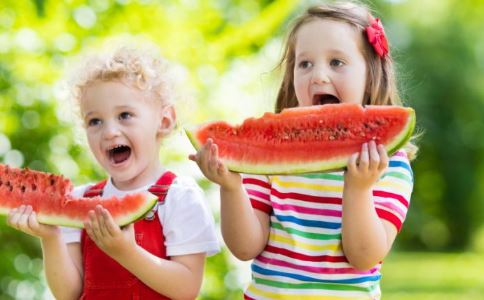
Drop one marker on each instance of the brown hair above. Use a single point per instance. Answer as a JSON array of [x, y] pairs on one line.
[[381, 87]]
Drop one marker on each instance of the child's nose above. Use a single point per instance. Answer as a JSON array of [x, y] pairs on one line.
[[111, 130], [320, 76]]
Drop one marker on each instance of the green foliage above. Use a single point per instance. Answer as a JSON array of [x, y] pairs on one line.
[[443, 64]]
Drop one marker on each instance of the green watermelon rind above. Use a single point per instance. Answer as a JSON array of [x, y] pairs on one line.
[[76, 223], [308, 167]]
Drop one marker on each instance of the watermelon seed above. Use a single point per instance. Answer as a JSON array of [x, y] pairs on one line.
[[34, 187], [1, 183], [22, 188]]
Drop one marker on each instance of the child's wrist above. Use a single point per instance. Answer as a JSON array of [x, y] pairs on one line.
[[51, 238], [355, 191]]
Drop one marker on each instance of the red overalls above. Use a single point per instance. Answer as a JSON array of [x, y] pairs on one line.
[[104, 278]]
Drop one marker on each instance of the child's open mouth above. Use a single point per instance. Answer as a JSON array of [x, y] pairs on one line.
[[119, 153], [325, 99]]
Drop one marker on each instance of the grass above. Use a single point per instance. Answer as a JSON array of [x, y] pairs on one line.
[[426, 276], [448, 276]]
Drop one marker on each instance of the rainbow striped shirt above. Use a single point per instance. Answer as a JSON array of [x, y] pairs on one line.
[[303, 258]]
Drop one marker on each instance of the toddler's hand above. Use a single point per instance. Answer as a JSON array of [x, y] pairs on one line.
[[213, 168], [365, 168], [107, 235], [24, 219]]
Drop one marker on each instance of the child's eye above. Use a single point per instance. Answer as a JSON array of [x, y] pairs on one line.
[[305, 64], [336, 63], [125, 115], [93, 122]]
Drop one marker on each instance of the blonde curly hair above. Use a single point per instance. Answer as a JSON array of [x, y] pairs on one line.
[[142, 68]]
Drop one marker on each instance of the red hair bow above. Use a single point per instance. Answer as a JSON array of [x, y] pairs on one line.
[[376, 37]]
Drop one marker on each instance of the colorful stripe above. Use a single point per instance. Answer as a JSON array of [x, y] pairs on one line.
[[303, 258]]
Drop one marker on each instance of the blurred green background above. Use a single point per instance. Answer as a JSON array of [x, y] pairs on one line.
[[230, 49]]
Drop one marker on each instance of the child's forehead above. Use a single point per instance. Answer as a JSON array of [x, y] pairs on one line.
[[118, 93], [327, 33], [123, 89]]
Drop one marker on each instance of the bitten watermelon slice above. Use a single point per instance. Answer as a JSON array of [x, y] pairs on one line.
[[306, 139], [48, 194]]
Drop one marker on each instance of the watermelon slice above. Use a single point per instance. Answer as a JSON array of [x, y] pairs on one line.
[[306, 139], [48, 194]]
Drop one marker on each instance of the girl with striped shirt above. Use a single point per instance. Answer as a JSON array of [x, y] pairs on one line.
[[321, 235]]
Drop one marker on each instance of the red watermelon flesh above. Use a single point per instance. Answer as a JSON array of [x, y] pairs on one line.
[[48, 194], [306, 139]]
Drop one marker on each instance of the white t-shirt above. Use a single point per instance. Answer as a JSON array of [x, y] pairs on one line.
[[188, 225]]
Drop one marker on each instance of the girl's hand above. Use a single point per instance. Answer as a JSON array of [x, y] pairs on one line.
[[365, 168], [24, 219], [107, 235], [213, 168]]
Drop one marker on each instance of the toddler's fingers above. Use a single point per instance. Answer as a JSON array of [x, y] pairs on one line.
[[23, 219], [364, 159], [32, 221], [89, 231], [374, 156], [101, 221], [14, 220], [94, 225], [111, 226], [11, 215]]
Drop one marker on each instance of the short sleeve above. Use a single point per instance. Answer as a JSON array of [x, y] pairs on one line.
[[73, 235], [258, 189], [188, 225], [392, 192]]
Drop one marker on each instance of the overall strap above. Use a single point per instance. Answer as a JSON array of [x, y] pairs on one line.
[[160, 188], [95, 190]]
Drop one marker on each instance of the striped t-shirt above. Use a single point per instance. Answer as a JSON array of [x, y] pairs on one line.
[[303, 258]]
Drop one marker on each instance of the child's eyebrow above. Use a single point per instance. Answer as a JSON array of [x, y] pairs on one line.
[[87, 115], [331, 51], [121, 107]]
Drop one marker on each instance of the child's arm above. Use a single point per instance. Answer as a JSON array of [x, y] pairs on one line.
[[244, 229], [62, 263], [178, 278], [366, 238]]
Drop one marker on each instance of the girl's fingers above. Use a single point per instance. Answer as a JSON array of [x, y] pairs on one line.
[[374, 156], [204, 155], [352, 162], [383, 157], [212, 163], [364, 159]]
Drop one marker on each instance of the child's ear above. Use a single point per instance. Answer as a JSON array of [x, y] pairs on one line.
[[167, 120]]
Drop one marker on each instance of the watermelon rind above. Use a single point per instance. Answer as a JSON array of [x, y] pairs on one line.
[[334, 164], [119, 220]]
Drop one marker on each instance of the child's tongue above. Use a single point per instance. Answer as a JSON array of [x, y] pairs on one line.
[[120, 155]]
